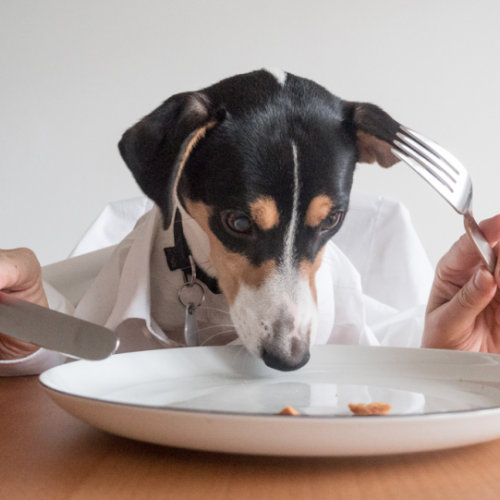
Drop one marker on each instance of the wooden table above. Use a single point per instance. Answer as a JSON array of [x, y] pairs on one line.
[[47, 454]]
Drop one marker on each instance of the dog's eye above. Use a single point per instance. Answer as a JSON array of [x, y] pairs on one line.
[[238, 222], [332, 221]]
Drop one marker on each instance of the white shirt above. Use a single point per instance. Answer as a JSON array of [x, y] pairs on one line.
[[372, 286]]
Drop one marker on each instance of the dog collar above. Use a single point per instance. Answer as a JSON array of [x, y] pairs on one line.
[[178, 256]]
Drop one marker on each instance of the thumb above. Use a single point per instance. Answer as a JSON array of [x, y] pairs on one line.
[[472, 298]]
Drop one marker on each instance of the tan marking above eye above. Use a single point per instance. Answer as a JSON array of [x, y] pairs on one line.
[[233, 269], [309, 269], [265, 213], [318, 210]]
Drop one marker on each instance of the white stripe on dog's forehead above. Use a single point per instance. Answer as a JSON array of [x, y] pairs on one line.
[[289, 249], [279, 74]]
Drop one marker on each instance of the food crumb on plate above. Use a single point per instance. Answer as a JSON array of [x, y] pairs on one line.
[[288, 410], [370, 409]]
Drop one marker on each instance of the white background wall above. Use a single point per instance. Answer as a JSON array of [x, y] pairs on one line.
[[75, 74]]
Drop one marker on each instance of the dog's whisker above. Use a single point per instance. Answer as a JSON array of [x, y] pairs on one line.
[[237, 354], [216, 335], [245, 357], [206, 308], [214, 326]]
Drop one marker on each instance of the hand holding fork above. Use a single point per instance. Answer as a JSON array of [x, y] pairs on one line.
[[463, 311]]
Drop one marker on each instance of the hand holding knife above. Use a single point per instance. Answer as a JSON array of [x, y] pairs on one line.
[[54, 330]]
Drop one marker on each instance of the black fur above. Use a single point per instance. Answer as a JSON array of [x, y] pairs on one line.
[[248, 154]]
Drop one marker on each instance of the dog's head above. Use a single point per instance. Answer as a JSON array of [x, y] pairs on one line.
[[264, 163]]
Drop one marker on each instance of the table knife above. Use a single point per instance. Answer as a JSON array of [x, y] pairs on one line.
[[54, 330]]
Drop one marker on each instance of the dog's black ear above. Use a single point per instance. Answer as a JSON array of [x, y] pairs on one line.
[[375, 130], [157, 148]]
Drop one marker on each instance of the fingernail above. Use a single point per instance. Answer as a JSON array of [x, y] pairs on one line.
[[482, 280]]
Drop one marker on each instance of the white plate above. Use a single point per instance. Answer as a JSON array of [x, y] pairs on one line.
[[223, 399]]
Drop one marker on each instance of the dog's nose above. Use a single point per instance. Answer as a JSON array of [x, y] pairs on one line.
[[277, 358]]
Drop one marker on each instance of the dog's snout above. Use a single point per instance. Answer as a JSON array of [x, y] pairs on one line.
[[283, 325], [286, 360], [278, 320]]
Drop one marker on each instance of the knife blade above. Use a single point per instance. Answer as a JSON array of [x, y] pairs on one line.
[[54, 330]]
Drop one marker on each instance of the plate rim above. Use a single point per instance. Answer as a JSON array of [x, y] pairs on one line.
[[273, 416]]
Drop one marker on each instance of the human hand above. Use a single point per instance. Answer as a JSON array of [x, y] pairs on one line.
[[463, 311], [20, 276]]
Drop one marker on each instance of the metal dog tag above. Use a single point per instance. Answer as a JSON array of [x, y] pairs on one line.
[[191, 327]]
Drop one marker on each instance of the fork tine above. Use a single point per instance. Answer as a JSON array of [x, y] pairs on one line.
[[429, 177], [423, 163], [434, 148], [436, 161]]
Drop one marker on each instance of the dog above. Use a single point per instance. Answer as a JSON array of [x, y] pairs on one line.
[[264, 163]]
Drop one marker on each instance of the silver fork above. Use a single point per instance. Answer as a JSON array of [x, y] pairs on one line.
[[448, 177]]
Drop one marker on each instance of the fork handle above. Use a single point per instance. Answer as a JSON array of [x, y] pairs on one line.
[[477, 237]]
